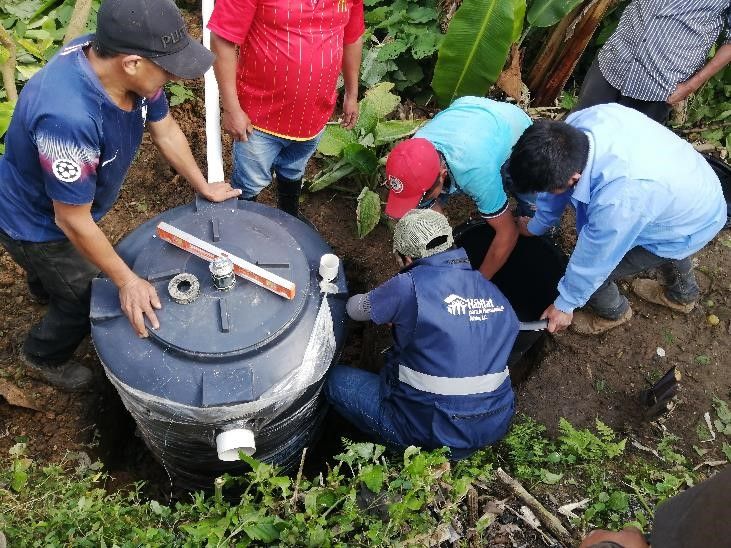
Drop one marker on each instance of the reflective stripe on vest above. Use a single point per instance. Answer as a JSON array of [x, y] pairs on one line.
[[451, 386]]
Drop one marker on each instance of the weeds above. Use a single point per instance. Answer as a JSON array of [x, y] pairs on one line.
[[366, 498]]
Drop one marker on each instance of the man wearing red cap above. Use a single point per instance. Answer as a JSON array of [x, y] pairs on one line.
[[462, 149]]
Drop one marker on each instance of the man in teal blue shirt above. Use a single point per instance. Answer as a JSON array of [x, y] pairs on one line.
[[644, 199], [462, 149]]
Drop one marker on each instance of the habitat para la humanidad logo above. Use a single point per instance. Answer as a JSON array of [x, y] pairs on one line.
[[476, 309]]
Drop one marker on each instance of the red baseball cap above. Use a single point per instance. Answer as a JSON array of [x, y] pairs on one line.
[[412, 168]]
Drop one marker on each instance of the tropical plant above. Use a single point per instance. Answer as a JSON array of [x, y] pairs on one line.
[[358, 154], [711, 106], [31, 31], [400, 43], [479, 38]]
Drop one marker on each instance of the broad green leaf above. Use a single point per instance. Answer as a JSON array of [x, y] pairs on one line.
[[549, 477], [368, 212], [325, 179], [39, 34], [474, 50], [518, 19], [395, 130], [376, 16], [378, 103], [45, 7], [426, 43], [31, 47], [263, 531], [334, 140], [409, 73], [27, 71], [373, 477], [546, 13], [361, 158], [372, 70], [4, 54], [22, 9], [421, 14], [390, 50]]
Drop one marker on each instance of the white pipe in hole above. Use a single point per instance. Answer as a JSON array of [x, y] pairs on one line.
[[214, 151], [230, 442]]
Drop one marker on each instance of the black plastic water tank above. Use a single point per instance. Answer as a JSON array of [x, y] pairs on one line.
[[529, 279], [231, 364]]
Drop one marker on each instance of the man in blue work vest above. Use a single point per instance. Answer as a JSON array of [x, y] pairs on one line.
[[446, 380]]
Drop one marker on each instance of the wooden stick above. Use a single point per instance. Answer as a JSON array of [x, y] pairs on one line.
[[8, 67], [551, 522]]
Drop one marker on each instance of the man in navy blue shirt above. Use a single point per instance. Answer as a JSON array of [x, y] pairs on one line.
[[446, 379], [76, 129]]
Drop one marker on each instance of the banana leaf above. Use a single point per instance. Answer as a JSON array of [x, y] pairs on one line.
[[474, 50], [546, 13]]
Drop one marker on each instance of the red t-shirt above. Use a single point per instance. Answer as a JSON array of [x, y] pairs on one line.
[[290, 56]]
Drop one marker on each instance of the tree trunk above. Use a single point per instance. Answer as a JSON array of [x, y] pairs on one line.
[[551, 50], [575, 40], [8, 67], [78, 20]]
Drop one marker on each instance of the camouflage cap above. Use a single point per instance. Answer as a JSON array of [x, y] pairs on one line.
[[422, 233]]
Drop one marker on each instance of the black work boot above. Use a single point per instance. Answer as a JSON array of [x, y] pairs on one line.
[[70, 376], [288, 195]]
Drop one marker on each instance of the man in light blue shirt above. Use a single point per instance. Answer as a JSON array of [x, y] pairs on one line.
[[462, 149], [644, 199]]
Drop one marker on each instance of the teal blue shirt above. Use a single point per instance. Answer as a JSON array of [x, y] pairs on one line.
[[475, 136]]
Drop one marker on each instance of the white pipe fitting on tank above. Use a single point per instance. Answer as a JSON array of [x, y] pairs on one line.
[[230, 442]]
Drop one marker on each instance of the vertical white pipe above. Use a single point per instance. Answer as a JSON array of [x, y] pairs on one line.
[[214, 152]]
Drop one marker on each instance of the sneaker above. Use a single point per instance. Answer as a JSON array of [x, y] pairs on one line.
[[588, 323], [70, 376], [654, 292]]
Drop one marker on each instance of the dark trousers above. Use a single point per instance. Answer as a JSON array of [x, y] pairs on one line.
[[58, 270], [675, 274], [597, 91]]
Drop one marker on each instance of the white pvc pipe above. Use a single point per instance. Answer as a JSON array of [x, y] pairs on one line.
[[230, 442], [214, 151]]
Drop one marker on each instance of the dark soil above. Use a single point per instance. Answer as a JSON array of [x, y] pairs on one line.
[[579, 378]]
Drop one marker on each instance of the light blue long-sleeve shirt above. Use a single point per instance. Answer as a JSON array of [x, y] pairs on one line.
[[642, 186]]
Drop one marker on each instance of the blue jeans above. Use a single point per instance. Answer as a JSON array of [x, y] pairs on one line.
[[356, 395], [675, 274], [255, 159]]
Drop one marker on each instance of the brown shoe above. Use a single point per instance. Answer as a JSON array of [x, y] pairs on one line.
[[654, 292], [588, 323]]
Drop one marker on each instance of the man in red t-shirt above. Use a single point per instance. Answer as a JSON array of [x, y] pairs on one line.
[[280, 90]]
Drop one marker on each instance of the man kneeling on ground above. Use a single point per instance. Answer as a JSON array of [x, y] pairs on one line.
[[446, 380], [644, 199]]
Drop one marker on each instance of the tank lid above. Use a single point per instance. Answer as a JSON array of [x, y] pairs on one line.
[[241, 318]]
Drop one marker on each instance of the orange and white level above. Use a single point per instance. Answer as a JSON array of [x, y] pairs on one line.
[[209, 252]]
